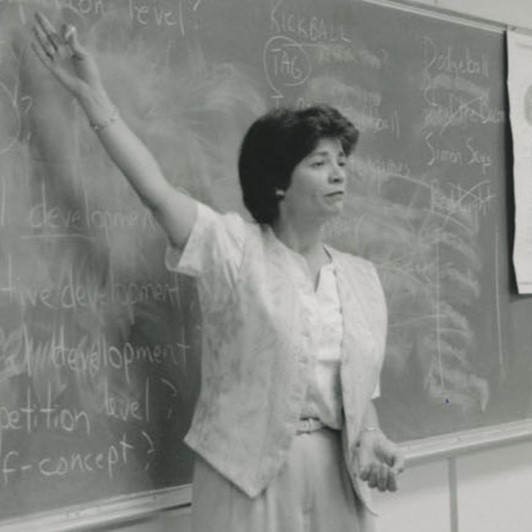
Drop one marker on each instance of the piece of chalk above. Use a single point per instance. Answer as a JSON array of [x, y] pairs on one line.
[[69, 32]]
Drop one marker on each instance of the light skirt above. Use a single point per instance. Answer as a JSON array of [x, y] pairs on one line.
[[312, 493]]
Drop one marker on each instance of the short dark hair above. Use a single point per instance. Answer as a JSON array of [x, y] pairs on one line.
[[274, 145]]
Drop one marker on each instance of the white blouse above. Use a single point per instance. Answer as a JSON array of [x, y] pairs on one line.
[[324, 394], [323, 399]]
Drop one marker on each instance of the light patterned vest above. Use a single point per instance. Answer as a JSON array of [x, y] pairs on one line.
[[258, 345]]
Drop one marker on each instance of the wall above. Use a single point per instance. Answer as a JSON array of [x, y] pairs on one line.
[[511, 12], [486, 491]]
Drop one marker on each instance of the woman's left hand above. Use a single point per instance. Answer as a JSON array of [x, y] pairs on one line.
[[380, 461]]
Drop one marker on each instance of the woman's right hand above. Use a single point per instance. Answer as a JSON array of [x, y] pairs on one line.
[[62, 54]]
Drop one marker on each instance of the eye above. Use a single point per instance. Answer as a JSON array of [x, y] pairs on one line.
[[317, 164]]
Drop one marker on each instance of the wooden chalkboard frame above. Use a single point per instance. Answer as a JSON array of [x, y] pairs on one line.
[[468, 441], [106, 512]]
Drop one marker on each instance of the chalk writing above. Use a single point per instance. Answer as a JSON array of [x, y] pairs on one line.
[[3, 202], [458, 202], [376, 172], [442, 155], [124, 408], [47, 217], [86, 7], [447, 59], [456, 156], [107, 459], [93, 356], [75, 292], [304, 27], [457, 110], [444, 82], [82, 7], [10, 120], [359, 104], [174, 394], [344, 53], [151, 447], [31, 417], [374, 121], [150, 13], [285, 63], [477, 157]]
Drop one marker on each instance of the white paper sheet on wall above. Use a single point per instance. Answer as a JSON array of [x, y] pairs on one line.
[[520, 97]]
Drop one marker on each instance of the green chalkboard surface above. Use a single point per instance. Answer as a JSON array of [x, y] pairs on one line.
[[100, 346]]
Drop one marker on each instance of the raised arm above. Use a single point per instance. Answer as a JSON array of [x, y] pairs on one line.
[[75, 68]]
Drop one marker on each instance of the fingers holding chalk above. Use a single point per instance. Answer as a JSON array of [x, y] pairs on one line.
[[70, 38], [68, 32]]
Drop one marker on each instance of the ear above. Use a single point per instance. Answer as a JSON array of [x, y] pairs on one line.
[[279, 194]]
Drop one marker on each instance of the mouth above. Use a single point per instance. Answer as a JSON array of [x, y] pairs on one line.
[[336, 194]]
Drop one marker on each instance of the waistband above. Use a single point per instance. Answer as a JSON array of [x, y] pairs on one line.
[[308, 425]]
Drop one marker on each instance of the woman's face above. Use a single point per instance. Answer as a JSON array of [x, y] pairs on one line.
[[317, 186]]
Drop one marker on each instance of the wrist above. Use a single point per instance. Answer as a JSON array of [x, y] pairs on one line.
[[370, 431], [96, 104]]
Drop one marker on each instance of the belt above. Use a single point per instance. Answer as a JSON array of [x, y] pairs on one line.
[[308, 425]]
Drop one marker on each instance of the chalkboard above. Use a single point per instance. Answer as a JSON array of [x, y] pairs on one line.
[[100, 346]]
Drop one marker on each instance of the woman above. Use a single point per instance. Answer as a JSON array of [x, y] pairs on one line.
[[285, 431]]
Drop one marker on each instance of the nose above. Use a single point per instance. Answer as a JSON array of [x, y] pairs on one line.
[[337, 174]]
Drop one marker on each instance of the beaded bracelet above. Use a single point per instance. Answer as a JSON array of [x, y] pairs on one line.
[[113, 117], [370, 429]]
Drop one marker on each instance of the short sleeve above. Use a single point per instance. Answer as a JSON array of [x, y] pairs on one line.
[[214, 249]]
